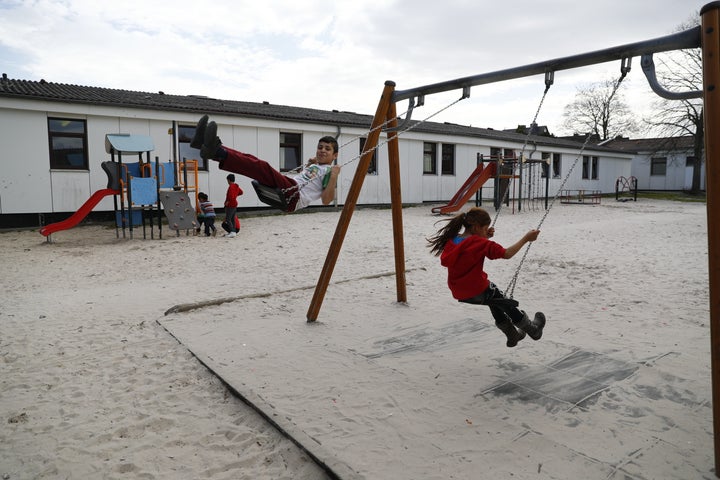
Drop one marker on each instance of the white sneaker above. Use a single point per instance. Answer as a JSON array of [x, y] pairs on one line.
[[232, 235]]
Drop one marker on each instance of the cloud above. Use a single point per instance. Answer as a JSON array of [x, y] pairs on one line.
[[332, 54]]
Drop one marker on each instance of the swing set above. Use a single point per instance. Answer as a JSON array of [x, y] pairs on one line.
[[706, 37]]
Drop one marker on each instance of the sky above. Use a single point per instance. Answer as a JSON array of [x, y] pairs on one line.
[[338, 54]]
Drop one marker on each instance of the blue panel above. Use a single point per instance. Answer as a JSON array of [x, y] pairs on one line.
[[143, 191], [132, 215], [126, 143]]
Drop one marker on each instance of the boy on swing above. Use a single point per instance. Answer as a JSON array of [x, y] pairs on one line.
[[317, 180], [464, 253]]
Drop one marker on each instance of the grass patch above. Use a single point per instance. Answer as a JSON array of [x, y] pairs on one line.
[[674, 196]]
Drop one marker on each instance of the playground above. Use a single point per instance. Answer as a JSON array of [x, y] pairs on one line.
[[618, 387], [419, 387]]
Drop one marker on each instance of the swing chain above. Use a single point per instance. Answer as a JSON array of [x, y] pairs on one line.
[[511, 286], [549, 80], [296, 188]]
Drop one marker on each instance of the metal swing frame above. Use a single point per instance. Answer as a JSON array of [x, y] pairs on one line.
[[706, 37]]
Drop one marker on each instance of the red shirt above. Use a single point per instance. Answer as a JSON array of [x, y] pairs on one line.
[[233, 192], [464, 258]]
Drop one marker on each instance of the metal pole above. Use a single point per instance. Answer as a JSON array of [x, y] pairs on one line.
[[370, 145], [710, 19], [682, 40]]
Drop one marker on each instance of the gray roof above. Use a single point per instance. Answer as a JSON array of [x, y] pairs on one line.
[[64, 93], [652, 144]]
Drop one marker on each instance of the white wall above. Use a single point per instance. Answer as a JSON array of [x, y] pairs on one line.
[[675, 174], [27, 185], [24, 162]]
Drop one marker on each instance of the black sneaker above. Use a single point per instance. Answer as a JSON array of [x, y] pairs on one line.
[[199, 136], [211, 142]]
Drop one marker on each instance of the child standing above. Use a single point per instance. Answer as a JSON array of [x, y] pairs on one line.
[[463, 245], [208, 212], [231, 204]]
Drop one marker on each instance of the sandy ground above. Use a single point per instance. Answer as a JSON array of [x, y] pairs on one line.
[[107, 371]]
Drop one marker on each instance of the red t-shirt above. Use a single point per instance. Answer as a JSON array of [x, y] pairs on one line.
[[464, 258], [233, 192]]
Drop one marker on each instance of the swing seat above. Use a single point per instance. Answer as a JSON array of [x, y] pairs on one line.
[[275, 197]]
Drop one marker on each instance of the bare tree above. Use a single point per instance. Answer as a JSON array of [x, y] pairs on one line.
[[599, 108], [681, 71]]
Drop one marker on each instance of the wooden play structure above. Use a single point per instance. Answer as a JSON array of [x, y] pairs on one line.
[[706, 37]]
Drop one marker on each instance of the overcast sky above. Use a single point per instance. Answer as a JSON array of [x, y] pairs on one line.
[[336, 54]]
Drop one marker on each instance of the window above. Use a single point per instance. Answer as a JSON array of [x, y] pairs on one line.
[[658, 166], [447, 166], [68, 144], [185, 135], [429, 158], [545, 164], [372, 168], [590, 167], [556, 165], [594, 162], [290, 148]]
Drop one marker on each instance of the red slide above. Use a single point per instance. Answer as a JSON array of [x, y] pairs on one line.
[[471, 185], [82, 212]]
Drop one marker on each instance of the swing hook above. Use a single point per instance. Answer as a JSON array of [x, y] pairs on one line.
[[408, 115], [625, 67], [549, 79]]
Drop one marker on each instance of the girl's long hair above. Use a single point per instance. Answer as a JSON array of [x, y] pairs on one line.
[[474, 216]]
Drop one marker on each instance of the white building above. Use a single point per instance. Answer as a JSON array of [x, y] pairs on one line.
[[53, 143], [661, 163]]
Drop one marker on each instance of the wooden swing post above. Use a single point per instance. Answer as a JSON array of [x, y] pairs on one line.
[[396, 199], [381, 115], [710, 45]]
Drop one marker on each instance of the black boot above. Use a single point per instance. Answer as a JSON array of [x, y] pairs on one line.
[[211, 142], [513, 334], [534, 328], [199, 136]]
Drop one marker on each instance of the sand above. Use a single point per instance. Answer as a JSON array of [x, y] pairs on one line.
[[110, 371]]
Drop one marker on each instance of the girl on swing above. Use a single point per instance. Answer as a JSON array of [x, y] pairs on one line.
[[317, 180], [463, 245]]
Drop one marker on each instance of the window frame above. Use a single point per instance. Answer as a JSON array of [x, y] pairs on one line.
[[294, 147], [655, 162], [184, 137], [447, 159], [429, 158], [373, 166], [557, 165], [545, 170], [594, 167], [55, 155]]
